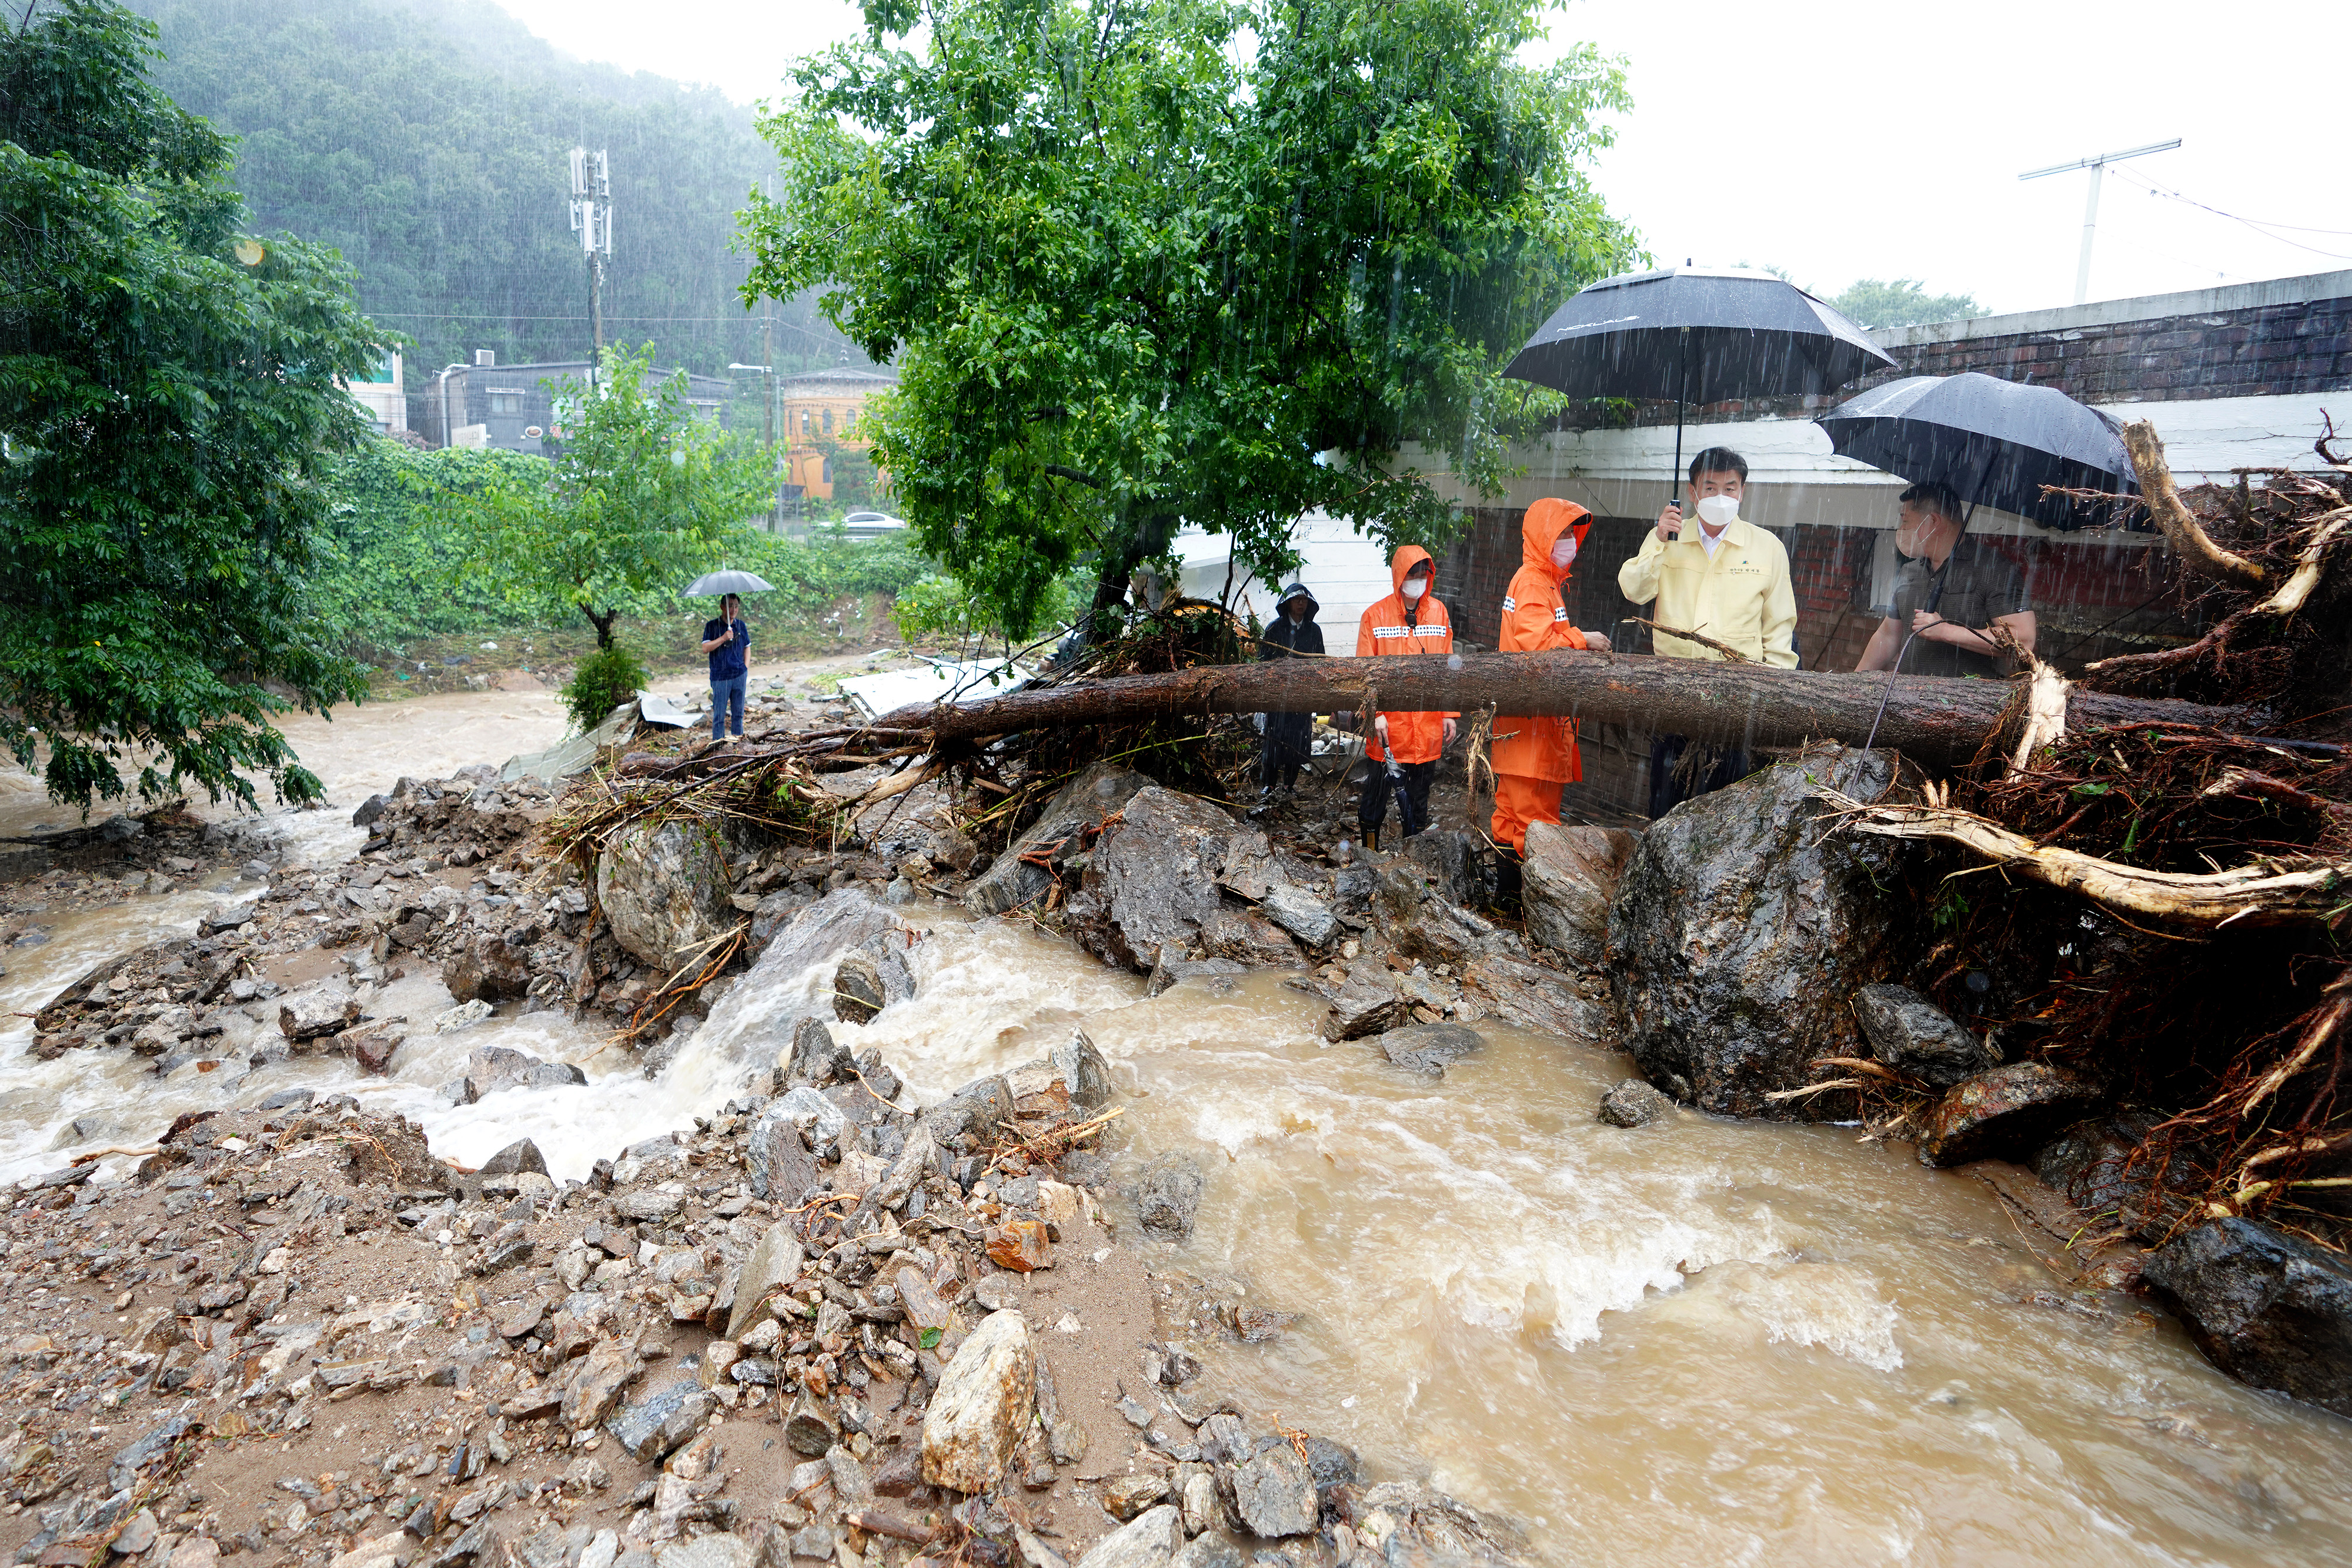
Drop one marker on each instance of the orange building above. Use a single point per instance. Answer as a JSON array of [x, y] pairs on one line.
[[823, 406]]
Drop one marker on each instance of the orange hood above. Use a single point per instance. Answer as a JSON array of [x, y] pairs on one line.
[[1545, 522], [1406, 557]]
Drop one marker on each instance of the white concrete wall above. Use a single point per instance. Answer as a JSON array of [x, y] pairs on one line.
[[1345, 572]]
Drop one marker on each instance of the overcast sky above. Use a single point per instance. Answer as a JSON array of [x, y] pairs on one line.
[[1846, 139]]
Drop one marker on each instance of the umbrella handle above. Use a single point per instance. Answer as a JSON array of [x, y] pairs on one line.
[[1682, 397]]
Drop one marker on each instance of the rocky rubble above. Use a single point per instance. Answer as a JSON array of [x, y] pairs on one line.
[[296, 1334]]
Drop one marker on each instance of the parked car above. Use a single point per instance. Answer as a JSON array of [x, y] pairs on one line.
[[871, 524]]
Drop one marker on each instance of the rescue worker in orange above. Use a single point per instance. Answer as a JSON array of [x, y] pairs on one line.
[[1534, 756], [1409, 620]]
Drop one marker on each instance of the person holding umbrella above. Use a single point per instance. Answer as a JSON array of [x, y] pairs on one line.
[[728, 641], [1403, 747], [1290, 737], [1723, 577], [1981, 591]]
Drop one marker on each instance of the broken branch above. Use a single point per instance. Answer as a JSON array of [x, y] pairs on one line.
[[2195, 547]]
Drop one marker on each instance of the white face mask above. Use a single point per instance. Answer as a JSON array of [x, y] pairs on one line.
[[1563, 551], [1414, 587], [1716, 511]]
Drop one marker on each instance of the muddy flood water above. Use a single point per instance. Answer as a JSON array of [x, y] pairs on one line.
[[1699, 1341]]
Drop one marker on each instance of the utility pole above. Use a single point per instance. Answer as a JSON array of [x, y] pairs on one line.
[[591, 220], [768, 387], [2091, 208]]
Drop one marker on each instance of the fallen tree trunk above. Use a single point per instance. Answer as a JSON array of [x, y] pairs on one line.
[[1928, 717]]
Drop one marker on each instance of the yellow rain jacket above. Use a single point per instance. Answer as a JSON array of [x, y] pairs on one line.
[[1741, 596]]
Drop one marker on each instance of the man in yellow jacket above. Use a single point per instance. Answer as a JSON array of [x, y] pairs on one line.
[[1725, 579]]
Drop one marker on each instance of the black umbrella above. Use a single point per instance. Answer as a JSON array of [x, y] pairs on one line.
[[1997, 444], [1695, 334]]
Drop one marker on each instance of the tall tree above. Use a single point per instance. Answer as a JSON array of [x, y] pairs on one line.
[[168, 391], [1905, 302], [1143, 262], [641, 497]]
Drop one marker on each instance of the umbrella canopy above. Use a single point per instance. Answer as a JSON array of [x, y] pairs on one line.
[[1995, 443], [730, 583], [1695, 334]]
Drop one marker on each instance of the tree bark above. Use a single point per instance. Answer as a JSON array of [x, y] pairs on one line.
[[603, 625], [1747, 704]]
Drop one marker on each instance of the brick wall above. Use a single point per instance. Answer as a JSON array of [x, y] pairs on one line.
[[2274, 351]]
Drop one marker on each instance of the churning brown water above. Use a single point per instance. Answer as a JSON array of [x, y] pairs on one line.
[[1697, 1342]]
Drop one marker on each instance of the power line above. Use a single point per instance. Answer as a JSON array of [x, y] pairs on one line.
[[2263, 229]]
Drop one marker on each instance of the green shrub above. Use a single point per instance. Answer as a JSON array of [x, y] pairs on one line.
[[604, 680]]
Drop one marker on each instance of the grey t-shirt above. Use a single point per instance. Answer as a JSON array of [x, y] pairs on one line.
[[1980, 584]]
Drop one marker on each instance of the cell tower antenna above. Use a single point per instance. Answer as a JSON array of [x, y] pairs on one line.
[[591, 220]]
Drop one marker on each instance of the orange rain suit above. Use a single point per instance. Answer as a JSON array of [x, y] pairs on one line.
[[1417, 737], [1534, 756]]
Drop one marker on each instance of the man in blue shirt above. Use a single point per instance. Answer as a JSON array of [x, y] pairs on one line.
[[728, 641]]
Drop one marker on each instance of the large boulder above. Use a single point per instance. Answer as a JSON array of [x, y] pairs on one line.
[[487, 968], [664, 889], [973, 1427], [328, 1008], [1741, 929], [2095, 1163], [1568, 874], [1010, 880], [793, 980], [2268, 1309], [1914, 1036], [1151, 883]]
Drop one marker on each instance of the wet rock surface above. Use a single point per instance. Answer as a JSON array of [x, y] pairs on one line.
[[1168, 1195], [1634, 1103], [664, 889], [1570, 875], [1012, 881], [1916, 1038], [2009, 1110], [2271, 1309], [1151, 886], [1740, 931], [1426, 1047]]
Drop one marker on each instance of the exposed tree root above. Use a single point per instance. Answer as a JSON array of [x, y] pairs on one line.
[[2265, 892]]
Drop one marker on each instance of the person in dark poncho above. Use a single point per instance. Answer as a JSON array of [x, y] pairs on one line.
[[1288, 736]]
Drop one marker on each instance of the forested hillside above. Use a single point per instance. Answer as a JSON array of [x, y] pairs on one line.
[[427, 140]]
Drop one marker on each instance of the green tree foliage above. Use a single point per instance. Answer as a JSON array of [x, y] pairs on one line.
[[1903, 303], [427, 141], [168, 394], [643, 496], [1141, 263], [385, 574], [603, 681]]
